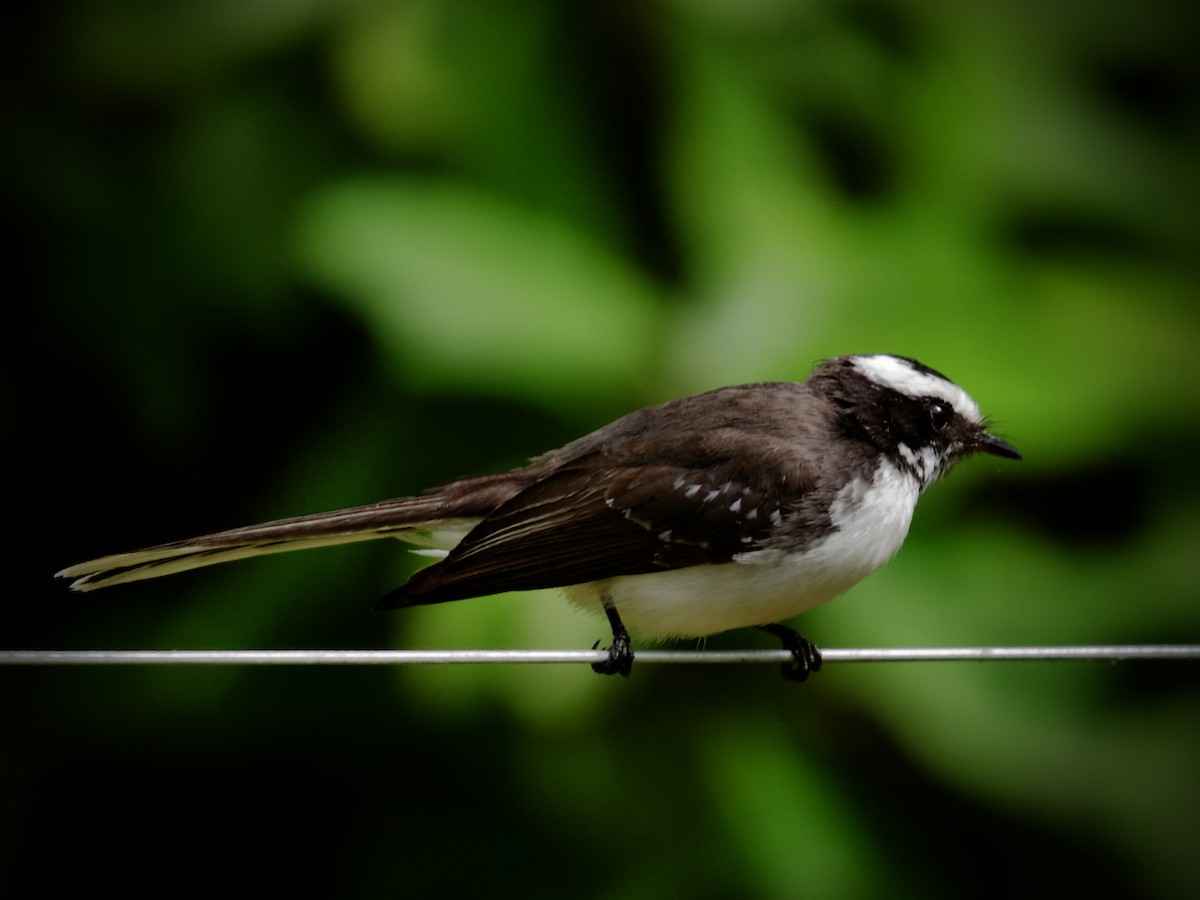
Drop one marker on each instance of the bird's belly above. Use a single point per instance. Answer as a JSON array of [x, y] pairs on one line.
[[765, 586], [707, 599]]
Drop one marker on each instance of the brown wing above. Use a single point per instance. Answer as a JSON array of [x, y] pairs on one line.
[[584, 524]]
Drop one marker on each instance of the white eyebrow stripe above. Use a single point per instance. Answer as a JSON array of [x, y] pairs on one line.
[[894, 373]]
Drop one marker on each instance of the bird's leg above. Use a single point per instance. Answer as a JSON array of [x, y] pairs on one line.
[[620, 654], [806, 657]]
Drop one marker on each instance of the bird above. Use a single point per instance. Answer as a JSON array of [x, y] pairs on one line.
[[740, 507]]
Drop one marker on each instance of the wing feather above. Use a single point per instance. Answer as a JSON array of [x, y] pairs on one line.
[[584, 524]]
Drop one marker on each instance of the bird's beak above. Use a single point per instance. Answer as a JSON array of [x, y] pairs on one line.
[[989, 443]]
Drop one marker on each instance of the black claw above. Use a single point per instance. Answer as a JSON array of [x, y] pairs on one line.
[[620, 654], [620, 658], [806, 658]]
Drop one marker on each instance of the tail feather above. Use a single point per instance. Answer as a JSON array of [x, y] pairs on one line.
[[155, 562], [437, 521]]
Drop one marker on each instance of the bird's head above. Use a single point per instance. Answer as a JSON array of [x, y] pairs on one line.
[[920, 419]]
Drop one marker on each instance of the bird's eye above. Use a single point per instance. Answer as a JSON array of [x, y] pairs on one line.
[[940, 413]]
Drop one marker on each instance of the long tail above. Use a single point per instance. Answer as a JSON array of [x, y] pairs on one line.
[[437, 520]]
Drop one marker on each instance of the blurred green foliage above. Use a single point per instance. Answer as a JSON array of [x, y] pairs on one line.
[[276, 257]]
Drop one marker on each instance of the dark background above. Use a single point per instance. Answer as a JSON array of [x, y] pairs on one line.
[[272, 258]]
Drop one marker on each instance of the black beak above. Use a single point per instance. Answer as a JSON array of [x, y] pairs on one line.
[[989, 443]]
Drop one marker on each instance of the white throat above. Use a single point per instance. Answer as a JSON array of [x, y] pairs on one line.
[[926, 462]]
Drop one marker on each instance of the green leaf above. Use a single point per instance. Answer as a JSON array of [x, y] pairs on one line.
[[462, 287]]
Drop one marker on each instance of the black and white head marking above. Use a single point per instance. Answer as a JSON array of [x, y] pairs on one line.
[[917, 417]]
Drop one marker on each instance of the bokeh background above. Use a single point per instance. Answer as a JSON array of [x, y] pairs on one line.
[[270, 258]]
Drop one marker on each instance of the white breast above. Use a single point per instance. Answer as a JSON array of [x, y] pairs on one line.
[[871, 521]]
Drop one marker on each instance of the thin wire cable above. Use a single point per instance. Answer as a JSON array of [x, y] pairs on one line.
[[1105, 652]]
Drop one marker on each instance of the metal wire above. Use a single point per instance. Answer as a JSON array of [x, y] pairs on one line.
[[1109, 652]]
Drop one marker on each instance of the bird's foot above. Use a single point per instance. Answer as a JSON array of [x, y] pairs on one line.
[[620, 657], [620, 654], [806, 658]]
